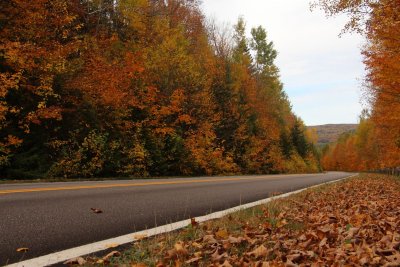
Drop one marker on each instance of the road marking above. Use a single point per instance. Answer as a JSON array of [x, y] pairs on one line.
[[45, 189], [67, 254]]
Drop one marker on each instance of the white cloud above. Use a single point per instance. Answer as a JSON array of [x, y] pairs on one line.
[[314, 62]]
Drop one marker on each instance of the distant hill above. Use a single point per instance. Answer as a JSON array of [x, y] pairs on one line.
[[330, 133]]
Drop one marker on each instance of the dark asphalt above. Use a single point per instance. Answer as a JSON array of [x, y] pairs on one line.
[[50, 221]]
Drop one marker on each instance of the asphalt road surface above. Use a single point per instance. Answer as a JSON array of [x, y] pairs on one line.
[[49, 217]]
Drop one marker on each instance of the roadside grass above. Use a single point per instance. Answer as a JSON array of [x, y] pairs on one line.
[[150, 251]]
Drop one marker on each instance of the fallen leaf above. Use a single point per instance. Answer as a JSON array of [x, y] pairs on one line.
[[216, 257], [112, 245], [236, 240], [94, 210], [198, 254], [197, 245], [226, 264], [352, 231], [281, 223], [179, 248], [171, 254], [111, 254], [323, 242], [77, 260], [289, 263], [209, 239], [294, 257], [222, 234], [259, 252], [394, 260], [139, 236], [193, 260]]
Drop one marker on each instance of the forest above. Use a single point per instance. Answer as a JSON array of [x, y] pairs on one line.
[[138, 88], [376, 143]]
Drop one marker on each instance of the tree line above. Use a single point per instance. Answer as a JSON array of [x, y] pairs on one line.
[[376, 143], [140, 88]]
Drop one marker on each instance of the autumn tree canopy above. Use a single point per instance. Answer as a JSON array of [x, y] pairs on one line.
[[140, 88], [379, 137]]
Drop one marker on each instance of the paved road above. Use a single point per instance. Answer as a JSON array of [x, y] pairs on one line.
[[49, 217]]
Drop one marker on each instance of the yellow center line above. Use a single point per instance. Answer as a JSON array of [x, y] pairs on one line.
[[44, 189]]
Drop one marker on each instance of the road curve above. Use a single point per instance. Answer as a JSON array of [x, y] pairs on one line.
[[49, 217]]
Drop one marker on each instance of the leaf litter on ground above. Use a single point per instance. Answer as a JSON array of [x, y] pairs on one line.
[[351, 223]]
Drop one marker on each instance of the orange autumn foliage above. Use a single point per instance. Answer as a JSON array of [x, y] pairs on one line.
[[379, 22], [137, 88]]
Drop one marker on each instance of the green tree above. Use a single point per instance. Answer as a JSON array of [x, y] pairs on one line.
[[265, 52]]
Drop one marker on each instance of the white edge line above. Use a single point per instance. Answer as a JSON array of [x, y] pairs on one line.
[[67, 254]]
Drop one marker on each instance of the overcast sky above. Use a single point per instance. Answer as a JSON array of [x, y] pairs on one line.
[[321, 72]]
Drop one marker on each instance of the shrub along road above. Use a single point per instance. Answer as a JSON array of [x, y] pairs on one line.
[[48, 217]]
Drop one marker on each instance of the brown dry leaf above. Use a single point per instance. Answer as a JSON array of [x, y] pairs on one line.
[[171, 254], [294, 257], [77, 260], [139, 236], [94, 210], [196, 245], [323, 242], [352, 231], [139, 265], [193, 260], [348, 246], [236, 240], [112, 245], [209, 239], [289, 263], [222, 234], [325, 229], [180, 249], [259, 252], [363, 261], [111, 254], [22, 249], [216, 257], [281, 223], [226, 264], [393, 260]]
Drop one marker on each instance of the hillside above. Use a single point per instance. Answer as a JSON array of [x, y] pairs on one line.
[[330, 133]]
